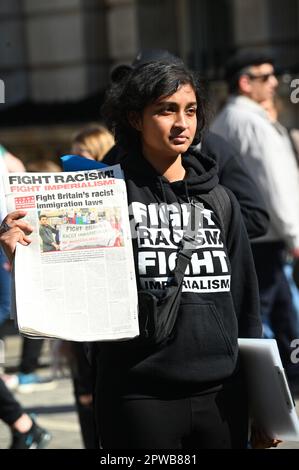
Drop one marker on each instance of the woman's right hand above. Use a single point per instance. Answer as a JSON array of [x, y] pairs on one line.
[[13, 230]]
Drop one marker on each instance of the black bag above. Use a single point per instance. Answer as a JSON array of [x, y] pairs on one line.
[[157, 316]]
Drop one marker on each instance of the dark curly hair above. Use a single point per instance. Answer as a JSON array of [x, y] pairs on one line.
[[141, 87]]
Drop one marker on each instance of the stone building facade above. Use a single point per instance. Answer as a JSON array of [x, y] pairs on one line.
[[62, 51]]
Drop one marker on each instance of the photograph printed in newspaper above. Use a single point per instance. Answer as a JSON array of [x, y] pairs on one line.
[[76, 280]]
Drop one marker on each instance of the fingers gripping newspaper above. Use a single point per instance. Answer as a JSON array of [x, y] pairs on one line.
[[76, 280]]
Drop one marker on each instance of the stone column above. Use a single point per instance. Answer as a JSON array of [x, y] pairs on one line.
[[183, 29], [122, 30], [12, 54], [55, 49], [251, 22]]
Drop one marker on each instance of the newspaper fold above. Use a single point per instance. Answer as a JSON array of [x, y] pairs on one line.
[[76, 280]]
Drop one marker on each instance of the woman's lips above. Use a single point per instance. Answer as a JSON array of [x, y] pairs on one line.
[[181, 139]]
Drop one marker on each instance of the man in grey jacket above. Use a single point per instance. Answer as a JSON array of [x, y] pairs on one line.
[[269, 159]]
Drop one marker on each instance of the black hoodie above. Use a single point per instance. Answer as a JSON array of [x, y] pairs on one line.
[[220, 296]]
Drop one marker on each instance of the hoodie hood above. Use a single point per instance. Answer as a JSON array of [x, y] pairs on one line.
[[201, 175]]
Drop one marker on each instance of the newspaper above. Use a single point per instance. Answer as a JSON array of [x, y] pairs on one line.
[[76, 280]]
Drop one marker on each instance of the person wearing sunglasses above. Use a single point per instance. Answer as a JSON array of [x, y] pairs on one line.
[[268, 157], [262, 77]]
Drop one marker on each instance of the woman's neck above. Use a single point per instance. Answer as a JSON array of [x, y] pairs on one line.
[[172, 170]]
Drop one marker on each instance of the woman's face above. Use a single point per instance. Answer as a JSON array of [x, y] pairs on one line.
[[168, 125]]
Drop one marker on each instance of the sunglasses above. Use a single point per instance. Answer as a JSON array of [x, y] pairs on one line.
[[264, 77]]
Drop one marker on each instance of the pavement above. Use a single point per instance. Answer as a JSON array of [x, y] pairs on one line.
[[55, 409]]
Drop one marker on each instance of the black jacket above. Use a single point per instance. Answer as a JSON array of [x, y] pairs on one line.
[[232, 175], [220, 296]]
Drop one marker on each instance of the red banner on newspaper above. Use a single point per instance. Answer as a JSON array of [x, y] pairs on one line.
[[26, 202]]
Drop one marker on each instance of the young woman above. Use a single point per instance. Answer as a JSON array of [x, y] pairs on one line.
[[187, 392]]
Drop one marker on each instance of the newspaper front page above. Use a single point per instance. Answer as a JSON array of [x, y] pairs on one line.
[[76, 280]]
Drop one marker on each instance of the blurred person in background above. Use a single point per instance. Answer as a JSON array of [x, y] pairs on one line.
[[11, 162], [93, 142], [27, 380], [267, 155], [25, 432], [43, 166], [274, 107], [8, 163]]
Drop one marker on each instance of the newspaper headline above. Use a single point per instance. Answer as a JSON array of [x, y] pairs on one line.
[[76, 280]]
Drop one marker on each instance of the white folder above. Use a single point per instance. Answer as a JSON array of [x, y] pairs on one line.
[[271, 404]]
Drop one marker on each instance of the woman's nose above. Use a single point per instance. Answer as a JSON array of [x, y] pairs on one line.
[[181, 120]]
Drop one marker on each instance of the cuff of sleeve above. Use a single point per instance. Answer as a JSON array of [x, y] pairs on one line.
[[293, 242]]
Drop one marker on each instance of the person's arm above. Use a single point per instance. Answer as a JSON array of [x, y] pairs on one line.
[[236, 178], [53, 229], [244, 286], [253, 209]]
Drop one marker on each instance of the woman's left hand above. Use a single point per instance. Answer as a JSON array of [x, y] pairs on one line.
[[260, 440]]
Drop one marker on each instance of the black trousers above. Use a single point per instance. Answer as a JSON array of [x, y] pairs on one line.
[[215, 420], [10, 409], [31, 351], [83, 385], [276, 301]]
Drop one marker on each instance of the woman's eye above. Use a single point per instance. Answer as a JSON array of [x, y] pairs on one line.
[[191, 111], [165, 111]]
